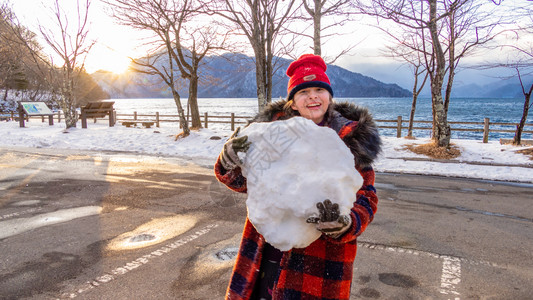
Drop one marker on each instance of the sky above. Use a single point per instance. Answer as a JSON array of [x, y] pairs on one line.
[[490, 161], [115, 43]]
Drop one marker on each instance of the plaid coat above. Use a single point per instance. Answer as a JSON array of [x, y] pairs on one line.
[[322, 270]]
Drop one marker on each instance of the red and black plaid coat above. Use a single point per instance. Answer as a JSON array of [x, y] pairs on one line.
[[322, 270]]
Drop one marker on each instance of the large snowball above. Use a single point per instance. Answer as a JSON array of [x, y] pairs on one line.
[[290, 166]]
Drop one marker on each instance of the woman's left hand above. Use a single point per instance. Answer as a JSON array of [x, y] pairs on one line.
[[330, 221], [229, 157]]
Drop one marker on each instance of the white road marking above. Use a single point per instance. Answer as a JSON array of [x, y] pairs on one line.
[[115, 273], [451, 276], [374, 246], [451, 266]]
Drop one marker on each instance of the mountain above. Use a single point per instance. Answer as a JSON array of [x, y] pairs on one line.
[[233, 76], [469, 82], [497, 89]]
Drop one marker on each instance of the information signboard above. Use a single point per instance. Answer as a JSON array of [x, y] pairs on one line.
[[36, 108]]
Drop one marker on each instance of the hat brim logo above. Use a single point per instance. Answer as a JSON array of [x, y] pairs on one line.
[[309, 77]]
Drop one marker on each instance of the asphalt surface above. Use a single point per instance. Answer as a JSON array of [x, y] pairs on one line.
[[96, 225]]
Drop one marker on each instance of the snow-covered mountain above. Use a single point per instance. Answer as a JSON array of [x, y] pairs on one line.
[[233, 76]]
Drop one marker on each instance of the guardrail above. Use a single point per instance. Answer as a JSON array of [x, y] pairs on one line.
[[399, 125]]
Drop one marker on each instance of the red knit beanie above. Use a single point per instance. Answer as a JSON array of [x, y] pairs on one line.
[[307, 71]]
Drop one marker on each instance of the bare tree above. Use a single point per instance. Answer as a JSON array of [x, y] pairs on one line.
[[517, 55], [525, 51], [71, 45], [517, 140], [449, 31], [178, 48], [146, 15], [262, 22], [403, 50], [56, 84], [522, 62], [418, 70], [193, 43], [317, 11]]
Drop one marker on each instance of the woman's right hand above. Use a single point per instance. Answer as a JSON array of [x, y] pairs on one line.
[[329, 220], [229, 157]]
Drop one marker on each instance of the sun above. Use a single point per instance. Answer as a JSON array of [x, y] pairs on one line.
[[108, 60], [117, 65]]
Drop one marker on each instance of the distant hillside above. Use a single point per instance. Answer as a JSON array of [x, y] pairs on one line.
[[233, 76], [499, 89], [469, 82]]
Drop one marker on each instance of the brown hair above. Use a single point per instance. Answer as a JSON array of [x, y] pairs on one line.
[[287, 107]]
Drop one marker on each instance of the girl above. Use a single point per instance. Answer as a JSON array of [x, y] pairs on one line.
[[322, 270]]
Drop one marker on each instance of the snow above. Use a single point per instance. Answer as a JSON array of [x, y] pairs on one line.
[[490, 161], [284, 186], [19, 225], [154, 232]]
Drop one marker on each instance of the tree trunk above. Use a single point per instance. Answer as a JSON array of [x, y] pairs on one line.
[[441, 129], [72, 117], [451, 60], [316, 26], [448, 95], [520, 127], [412, 114], [69, 111], [193, 101], [258, 42], [68, 101], [260, 80], [416, 91], [268, 74], [183, 121]]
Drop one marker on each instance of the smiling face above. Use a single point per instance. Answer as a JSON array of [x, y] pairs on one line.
[[312, 103]]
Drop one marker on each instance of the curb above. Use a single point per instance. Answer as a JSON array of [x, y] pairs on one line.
[[454, 161]]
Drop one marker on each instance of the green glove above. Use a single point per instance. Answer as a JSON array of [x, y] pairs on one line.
[[229, 156], [330, 221]]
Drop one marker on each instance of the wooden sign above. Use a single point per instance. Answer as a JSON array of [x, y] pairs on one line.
[[36, 108]]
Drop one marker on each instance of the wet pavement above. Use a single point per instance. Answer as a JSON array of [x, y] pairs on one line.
[[97, 225]]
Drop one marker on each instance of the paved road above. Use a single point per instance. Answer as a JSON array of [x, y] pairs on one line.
[[94, 225]]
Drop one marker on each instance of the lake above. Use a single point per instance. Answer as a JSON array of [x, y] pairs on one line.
[[461, 110]]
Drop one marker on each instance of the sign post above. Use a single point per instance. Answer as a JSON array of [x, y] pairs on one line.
[[34, 109]]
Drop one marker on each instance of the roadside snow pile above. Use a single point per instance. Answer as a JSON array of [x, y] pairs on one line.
[[290, 166]]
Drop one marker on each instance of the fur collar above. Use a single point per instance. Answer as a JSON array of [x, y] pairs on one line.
[[363, 140]]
